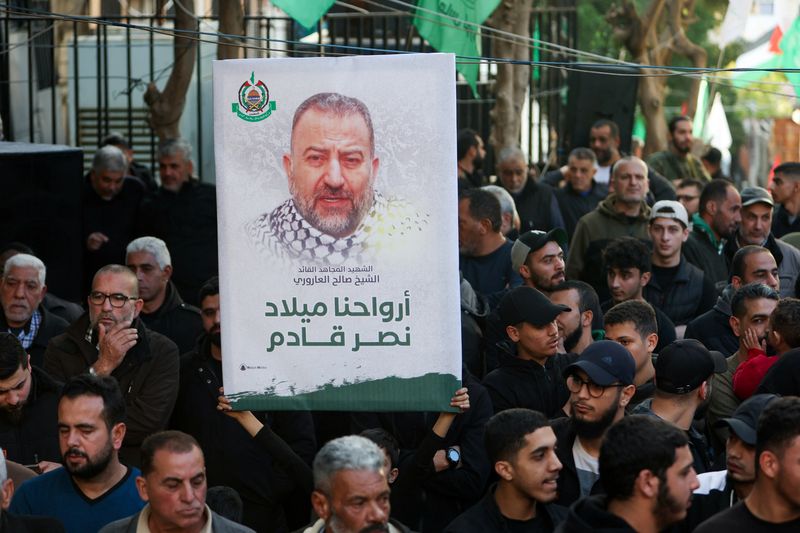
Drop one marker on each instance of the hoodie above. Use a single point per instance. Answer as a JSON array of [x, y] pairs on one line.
[[591, 514], [523, 383]]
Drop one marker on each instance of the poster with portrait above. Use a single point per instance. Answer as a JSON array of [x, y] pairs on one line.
[[337, 200]]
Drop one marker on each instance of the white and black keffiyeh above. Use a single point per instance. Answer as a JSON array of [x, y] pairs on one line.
[[284, 233]]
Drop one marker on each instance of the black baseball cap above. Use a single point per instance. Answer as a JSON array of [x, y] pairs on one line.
[[530, 241], [526, 304], [606, 363], [685, 364], [744, 420]]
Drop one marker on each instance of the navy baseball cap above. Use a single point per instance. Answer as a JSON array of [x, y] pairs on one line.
[[606, 363]]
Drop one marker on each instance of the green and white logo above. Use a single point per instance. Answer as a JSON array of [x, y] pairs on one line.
[[254, 104]]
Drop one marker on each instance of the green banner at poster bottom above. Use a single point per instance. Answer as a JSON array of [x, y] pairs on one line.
[[423, 393]]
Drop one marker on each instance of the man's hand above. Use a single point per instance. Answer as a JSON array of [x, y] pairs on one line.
[[47, 466], [114, 344], [440, 461], [247, 419], [95, 241]]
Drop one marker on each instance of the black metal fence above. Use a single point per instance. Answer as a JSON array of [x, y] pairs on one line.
[[73, 82]]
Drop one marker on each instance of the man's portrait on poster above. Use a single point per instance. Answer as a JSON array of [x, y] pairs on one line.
[[335, 214]]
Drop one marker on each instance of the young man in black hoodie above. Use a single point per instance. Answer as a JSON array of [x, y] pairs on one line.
[[647, 472], [531, 371], [521, 447]]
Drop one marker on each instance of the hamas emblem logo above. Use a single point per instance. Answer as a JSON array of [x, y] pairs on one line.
[[254, 104]]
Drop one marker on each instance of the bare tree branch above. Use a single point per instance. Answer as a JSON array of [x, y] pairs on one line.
[[166, 107]]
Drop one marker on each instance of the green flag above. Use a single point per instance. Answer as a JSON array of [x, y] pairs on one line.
[[306, 12], [461, 36]]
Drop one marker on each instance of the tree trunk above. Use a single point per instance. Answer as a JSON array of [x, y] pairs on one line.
[[166, 107], [652, 38], [651, 102], [231, 22], [512, 81], [682, 45]]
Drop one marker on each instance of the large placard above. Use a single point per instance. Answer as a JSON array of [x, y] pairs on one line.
[[338, 232]]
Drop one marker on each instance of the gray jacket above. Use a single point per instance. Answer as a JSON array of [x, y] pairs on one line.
[[218, 525], [789, 268]]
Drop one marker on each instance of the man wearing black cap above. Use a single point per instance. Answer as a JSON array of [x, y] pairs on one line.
[[538, 256], [720, 490], [600, 384], [755, 229], [531, 369], [774, 502], [683, 385]]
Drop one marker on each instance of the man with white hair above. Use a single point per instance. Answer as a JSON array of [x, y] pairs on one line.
[[164, 310], [537, 206], [508, 211], [110, 210], [346, 470], [22, 290]]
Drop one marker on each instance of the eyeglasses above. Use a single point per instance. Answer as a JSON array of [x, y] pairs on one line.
[[575, 384], [116, 299]]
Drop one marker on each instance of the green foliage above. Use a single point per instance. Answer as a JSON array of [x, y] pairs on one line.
[[596, 35]]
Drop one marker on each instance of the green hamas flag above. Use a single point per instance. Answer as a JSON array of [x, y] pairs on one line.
[[461, 36], [306, 12]]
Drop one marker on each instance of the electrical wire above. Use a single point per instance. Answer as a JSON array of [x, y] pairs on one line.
[[671, 71]]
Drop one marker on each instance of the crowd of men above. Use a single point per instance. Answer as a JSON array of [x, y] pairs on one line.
[[630, 346]]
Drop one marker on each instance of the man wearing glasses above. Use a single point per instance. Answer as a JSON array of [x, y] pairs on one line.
[[600, 383], [111, 340]]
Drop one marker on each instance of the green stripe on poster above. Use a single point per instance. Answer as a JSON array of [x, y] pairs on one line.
[[431, 392]]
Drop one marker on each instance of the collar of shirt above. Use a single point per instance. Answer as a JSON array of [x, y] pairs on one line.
[[144, 516]]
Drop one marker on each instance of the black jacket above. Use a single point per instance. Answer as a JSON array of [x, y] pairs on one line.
[[34, 437], [701, 252], [115, 218], [537, 208], [485, 516], [781, 225], [522, 383], [10, 523], [187, 222], [176, 320], [591, 515], [713, 328], [569, 488], [688, 296], [60, 307], [147, 376], [233, 457], [422, 498], [50, 326]]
